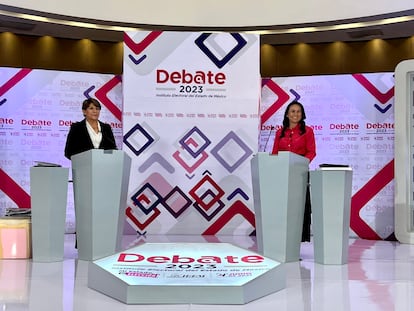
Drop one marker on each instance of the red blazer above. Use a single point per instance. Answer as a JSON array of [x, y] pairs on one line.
[[303, 145]]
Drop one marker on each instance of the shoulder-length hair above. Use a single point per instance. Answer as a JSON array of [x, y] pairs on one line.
[[302, 125]]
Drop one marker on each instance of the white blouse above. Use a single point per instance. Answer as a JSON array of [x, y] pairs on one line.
[[95, 137]]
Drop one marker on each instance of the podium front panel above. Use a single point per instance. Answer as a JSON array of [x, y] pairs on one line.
[[100, 180], [279, 189]]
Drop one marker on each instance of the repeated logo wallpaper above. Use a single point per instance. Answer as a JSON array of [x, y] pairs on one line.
[[353, 120], [37, 108]]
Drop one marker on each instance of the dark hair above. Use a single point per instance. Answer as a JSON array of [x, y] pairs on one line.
[[86, 103], [302, 128]]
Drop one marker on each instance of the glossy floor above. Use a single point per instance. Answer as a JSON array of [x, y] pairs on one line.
[[379, 275]]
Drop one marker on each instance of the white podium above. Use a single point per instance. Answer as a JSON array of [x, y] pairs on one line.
[[48, 195], [331, 190], [279, 189], [100, 185]]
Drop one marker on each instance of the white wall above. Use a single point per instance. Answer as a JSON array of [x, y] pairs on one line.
[[216, 12]]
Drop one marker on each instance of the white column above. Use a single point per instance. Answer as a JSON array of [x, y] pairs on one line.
[[48, 193], [331, 203]]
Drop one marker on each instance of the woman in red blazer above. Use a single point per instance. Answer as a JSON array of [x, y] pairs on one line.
[[296, 137], [90, 133]]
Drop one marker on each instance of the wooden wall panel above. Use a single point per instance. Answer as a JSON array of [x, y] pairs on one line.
[[60, 54], [275, 60], [11, 50], [335, 58]]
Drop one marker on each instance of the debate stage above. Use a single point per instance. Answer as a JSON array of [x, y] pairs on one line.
[[378, 276]]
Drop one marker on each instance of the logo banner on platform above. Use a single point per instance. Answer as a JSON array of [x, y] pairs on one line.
[[191, 127], [353, 120]]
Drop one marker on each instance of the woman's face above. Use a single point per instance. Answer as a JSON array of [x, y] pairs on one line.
[[294, 114], [92, 113]]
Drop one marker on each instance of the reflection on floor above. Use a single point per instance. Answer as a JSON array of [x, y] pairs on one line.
[[379, 276]]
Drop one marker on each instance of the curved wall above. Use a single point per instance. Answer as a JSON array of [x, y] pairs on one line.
[[378, 55], [236, 13]]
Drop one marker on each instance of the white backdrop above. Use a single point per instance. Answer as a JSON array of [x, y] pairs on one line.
[[191, 127]]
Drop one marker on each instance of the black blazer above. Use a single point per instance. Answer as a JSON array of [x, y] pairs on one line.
[[78, 139]]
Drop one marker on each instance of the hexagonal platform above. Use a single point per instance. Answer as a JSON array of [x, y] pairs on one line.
[[183, 273]]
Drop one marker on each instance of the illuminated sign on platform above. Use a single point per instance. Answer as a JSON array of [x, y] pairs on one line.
[[198, 268]]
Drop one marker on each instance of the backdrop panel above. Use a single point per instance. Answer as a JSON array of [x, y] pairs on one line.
[[191, 126], [352, 115], [353, 120], [36, 110]]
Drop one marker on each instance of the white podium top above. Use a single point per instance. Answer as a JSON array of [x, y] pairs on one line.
[[336, 168]]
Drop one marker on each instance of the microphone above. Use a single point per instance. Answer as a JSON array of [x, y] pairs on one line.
[[268, 138]]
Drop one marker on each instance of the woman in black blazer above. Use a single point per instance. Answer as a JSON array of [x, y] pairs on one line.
[[90, 133]]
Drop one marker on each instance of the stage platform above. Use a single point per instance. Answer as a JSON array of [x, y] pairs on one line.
[[378, 276]]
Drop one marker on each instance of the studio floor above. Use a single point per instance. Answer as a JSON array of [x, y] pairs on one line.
[[379, 275]]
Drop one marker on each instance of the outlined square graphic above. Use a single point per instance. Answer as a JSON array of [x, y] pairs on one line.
[[206, 187], [219, 60], [138, 139], [220, 149], [212, 212], [176, 202], [191, 142], [146, 198]]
